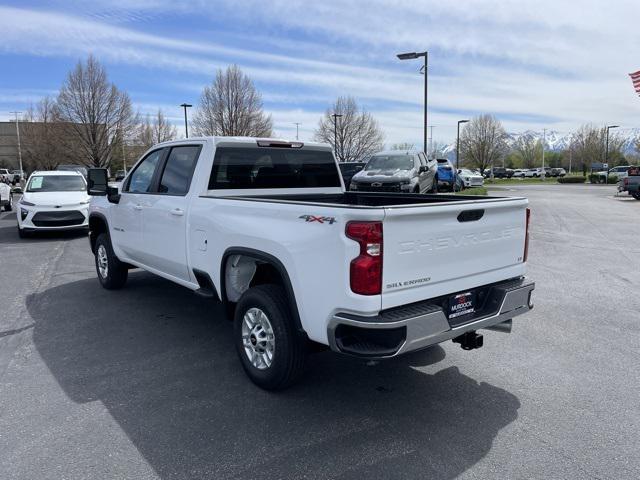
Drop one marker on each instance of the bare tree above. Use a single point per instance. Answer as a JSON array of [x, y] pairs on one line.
[[158, 130], [529, 149], [42, 134], [357, 133], [589, 144], [231, 106], [95, 110], [483, 142]]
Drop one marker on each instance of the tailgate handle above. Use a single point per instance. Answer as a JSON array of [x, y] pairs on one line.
[[470, 215]]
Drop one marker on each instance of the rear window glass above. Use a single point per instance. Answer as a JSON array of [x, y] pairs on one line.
[[178, 170], [272, 168]]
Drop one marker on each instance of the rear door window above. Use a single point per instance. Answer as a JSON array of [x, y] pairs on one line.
[[178, 170], [260, 167]]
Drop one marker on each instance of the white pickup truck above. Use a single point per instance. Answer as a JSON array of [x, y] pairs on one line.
[[267, 227]]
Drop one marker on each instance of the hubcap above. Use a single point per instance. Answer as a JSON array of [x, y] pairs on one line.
[[103, 263], [257, 338]]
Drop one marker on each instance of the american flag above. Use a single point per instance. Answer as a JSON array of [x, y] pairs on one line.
[[635, 78]]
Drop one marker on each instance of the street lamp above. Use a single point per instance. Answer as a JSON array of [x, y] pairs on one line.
[[297, 124], [186, 127], [335, 130], [458, 144], [413, 56]]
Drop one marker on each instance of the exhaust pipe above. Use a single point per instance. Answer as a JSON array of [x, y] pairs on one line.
[[504, 327]]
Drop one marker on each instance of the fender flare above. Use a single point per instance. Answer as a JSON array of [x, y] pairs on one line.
[[102, 219], [273, 261]]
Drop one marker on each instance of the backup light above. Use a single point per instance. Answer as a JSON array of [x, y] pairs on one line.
[[526, 237]]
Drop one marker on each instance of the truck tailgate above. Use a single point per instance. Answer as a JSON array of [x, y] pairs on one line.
[[441, 249]]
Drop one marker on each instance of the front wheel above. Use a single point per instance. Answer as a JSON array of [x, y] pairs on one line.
[[636, 195], [112, 273], [271, 349]]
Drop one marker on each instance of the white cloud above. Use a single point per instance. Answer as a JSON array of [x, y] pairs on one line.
[[534, 64]]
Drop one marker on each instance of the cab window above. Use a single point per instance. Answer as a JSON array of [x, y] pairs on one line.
[[141, 178]]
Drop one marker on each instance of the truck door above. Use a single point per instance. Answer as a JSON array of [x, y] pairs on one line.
[[126, 216], [165, 213]]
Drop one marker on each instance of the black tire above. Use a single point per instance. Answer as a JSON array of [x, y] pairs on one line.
[[416, 189], [636, 195], [116, 272], [289, 352], [23, 233], [9, 206], [434, 187]]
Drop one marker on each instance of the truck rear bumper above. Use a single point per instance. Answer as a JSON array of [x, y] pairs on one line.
[[420, 325]]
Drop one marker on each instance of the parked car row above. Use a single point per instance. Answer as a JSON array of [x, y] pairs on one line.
[[537, 172]]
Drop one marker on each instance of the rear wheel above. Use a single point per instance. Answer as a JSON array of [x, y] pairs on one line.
[[434, 187], [636, 195], [112, 273], [271, 349]]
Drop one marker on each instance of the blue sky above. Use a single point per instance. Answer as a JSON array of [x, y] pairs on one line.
[[543, 64]]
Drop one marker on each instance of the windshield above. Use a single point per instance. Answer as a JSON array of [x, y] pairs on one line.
[[56, 183], [464, 171], [390, 162]]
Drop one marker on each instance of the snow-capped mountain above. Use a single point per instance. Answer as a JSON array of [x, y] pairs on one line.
[[555, 141]]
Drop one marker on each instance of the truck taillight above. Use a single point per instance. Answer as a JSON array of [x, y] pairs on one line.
[[526, 237], [625, 182], [366, 268]]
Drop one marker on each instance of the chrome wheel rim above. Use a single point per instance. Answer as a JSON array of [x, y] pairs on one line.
[[103, 263], [258, 339]]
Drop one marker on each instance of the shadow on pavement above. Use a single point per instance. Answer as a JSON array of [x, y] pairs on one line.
[[161, 360]]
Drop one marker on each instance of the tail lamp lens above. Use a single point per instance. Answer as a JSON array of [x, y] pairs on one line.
[[366, 268], [526, 237]]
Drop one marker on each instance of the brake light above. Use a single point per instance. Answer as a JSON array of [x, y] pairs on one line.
[[526, 237], [625, 182], [366, 268]]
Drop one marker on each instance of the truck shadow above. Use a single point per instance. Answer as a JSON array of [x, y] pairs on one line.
[[161, 360]]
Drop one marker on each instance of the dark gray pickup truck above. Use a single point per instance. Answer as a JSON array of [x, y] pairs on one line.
[[631, 183]]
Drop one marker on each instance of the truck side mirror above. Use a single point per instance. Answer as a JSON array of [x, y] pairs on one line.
[[97, 181], [423, 168]]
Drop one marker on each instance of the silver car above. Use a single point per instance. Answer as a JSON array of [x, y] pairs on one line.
[[397, 171]]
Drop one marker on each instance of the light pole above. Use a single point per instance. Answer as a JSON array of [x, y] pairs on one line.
[[186, 127], [335, 131], [19, 148], [458, 144], [606, 150], [412, 56], [297, 124]]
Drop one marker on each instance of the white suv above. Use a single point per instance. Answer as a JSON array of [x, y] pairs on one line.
[[53, 201]]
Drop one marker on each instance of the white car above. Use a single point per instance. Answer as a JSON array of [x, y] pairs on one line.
[[53, 200], [532, 173], [518, 173], [267, 227], [6, 197], [469, 178]]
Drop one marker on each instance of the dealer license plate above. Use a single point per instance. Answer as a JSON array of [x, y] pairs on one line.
[[462, 304]]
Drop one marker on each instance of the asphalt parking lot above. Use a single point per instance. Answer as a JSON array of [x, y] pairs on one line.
[[144, 382]]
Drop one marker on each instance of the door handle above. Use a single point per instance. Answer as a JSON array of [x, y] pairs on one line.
[[137, 207], [177, 212]]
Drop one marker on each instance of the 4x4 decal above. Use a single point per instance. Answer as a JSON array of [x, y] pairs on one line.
[[314, 218]]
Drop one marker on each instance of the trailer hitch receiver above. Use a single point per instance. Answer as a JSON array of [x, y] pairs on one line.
[[469, 340]]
